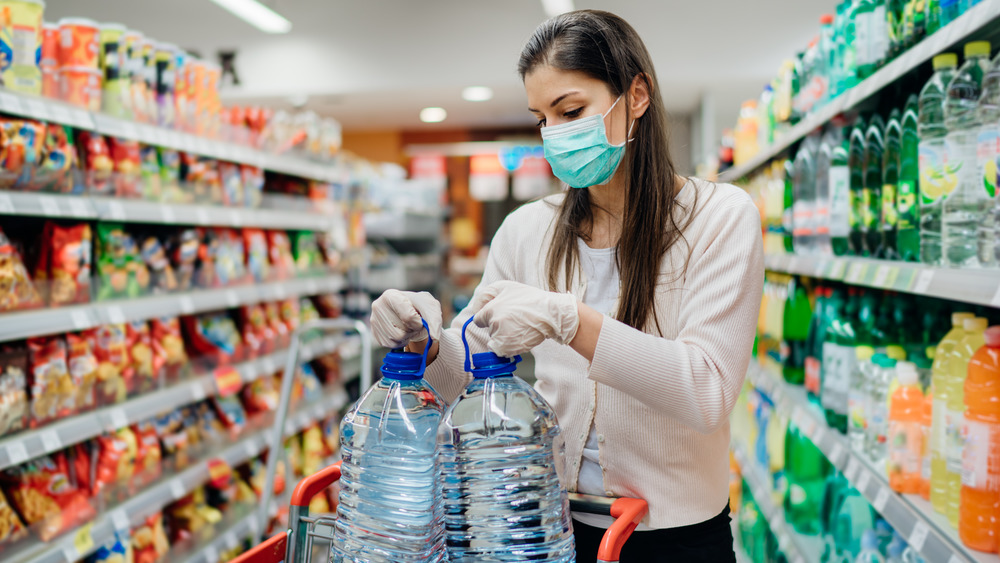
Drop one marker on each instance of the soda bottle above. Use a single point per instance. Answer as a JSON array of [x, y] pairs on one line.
[[839, 189], [905, 438], [839, 358], [890, 180], [979, 512], [854, 517], [787, 217], [856, 164], [987, 152], [896, 24], [972, 340], [907, 205], [871, 36], [857, 397], [849, 76], [824, 62], [390, 487], [814, 341], [914, 23], [932, 18], [805, 469], [871, 195], [936, 180], [965, 208], [940, 372], [795, 318]]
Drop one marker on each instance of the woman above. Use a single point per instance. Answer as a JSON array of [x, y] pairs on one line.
[[636, 290]]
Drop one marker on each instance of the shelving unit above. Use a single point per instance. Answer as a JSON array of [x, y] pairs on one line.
[[415, 257], [799, 548], [980, 287], [976, 19], [925, 530]]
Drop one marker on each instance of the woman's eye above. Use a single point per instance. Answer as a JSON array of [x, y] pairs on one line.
[[541, 122], [573, 113]]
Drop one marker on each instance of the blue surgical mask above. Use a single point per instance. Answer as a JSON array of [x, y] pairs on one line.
[[579, 152]]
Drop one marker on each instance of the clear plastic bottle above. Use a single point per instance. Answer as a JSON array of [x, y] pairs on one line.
[[869, 549], [905, 436], [390, 487], [839, 189], [824, 69], [935, 179], [987, 151], [502, 452], [966, 208], [907, 193], [824, 197], [878, 403], [803, 208], [857, 397]]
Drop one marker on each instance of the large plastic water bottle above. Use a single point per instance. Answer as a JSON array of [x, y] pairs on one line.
[[987, 151], [500, 446], [390, 487], [804, 206], [968, 206], [935, 179]]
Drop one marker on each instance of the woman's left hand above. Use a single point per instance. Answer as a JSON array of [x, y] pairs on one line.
[[520, 317]]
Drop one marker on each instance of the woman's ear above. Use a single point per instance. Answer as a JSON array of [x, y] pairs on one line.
[[638, 95]]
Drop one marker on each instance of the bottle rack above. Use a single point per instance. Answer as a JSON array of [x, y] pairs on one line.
[[979, 19]]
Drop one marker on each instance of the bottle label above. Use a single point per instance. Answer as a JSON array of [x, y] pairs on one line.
[[960, 148], [889, 216], [855, 211], [979, 454], [986, 158], [862, 38], [787, 221], [954, 443], [939, 428], [835, 378], [813, 369], [878, 424], [870, 209], [937, 179], [906, 205], [880, 35], [904, 448], [856, 408], [840, 201], [802, 217]]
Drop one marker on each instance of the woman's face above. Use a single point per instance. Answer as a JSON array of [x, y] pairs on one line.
[[560, 96]]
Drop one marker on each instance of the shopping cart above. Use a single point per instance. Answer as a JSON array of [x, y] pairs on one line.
[[298, 543]]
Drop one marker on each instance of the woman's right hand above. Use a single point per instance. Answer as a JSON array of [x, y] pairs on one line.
[[396, 318]]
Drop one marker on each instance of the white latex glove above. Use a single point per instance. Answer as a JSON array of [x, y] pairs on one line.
[[396, 318], [520, 317]]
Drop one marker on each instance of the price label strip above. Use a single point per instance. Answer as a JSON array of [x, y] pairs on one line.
[[16, 453], [49, 205], [856, 273], [51, 441], [6, 204], [837, 270], [919, 535], [78, 208], [881, 499], [885, 277], [923, 281]]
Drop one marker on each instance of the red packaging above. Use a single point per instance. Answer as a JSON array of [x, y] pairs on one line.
[[83, 368], [127, 160], [16, 289], [64, 268], [290, 313], [46, 493], [97, 162], [148, 455], [280, 251], [169, 354], [281, 335], [140, 348], [50, 386], [256, 333], [114, 366]]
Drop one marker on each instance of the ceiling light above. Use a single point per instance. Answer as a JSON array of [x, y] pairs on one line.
[[477, 94], [433, 115], [555, 7], [257, 15]]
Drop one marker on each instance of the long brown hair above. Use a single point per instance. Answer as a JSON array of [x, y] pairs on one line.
[[604, 46]]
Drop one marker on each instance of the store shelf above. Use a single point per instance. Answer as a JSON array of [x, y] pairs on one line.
[[981, 287], [404, 226], [247, 527], [54, 111], [18, 448], [799, 548], [977, 18], [925, 531], [77, 544], [408, 272], [25, 324]]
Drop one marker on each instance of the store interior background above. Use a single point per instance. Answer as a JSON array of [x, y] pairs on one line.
[[374, 64]]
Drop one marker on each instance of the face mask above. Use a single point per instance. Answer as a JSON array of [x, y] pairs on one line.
[[579, 152]]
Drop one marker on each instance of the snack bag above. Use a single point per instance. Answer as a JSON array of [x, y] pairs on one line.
[[97, 163], [150, 178], [305, 251], [330, 306], [117, 550], [59, 160], [65, 266], [253, 185], [214, 337], [280, 251], [161, 272], [16, 289], [114, 462], [83, 369], [184, 251], [307, 385], [255, 331], [255, 246], [278, 327], [149, 541], [208, 252], [307, 311], [140, 349], [170, 176], [262, 394], [289, 309], [11, 527], [148, 455], [231, 413], [329, 248], [13, 398], [314, 450], [228, 258], [127, 160], [174, 442], [169, 355], [45, 492], [232, 184], [122, 271], [51, 388], [114, 366]]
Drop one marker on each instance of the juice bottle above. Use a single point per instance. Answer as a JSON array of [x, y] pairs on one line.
[[979, 512], [795, 320], [926, 418], [856, 165], [907, 204], [871, 194], [935, 179], [889, 219], [839, 187], [958, 367], [939, 425], [906, 412]]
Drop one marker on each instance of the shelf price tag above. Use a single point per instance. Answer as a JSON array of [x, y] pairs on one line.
[[251, 449], [996, 298], [186, 304], [863, 481], [201, 215], [836, 454], [856, 273], [198, 392], [851, 471], [230, 541], [235, 218], [120, 520], [115, 315], [177, 489], [919, 535], [312, 286], [267, 365], [11, 103], [211, 556], [116, 211], [61, 115], [117, 419], [793, 265], [80, 319], [6, 204], [83, 540], [167, 214], [78, 208], [885, 276], [16, 453], [49, 205], [923, 281], [38, 109], [837, 271], [881, 499], [821, 268], [51, 441], [232, 299]]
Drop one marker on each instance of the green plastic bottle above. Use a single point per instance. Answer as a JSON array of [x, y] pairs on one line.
[[914, 22], [789, 200], [854, 517], [805, 469], [839, 359], [839, 189], [849, 72], [795, 330], [871, 195], [894, 11], [814, 341], [932, 16], [856, 166], [907, 207], [871, 36], [889, 219]]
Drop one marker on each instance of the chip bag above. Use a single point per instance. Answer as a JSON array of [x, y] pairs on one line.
[[63, 270], [184, 250], [161, 271], [11, 527], [140, 348], [45, 492], [232, 184], [122, 271], [83, 368], [148, 455], [127, 160], [253, 325], [149, 541], [59, 159], [117, 550], [51, 387], [13, 396], [16, 289], [280, 251], [97, 163], [150, 178], [305, 251], [114, 365], [169, 355]]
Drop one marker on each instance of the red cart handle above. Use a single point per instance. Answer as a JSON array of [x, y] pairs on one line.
[[628, 513], [311, 486], [271, 550]]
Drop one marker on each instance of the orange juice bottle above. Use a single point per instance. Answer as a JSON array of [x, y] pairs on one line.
[[979, 511], [925, 464], [906, 437]]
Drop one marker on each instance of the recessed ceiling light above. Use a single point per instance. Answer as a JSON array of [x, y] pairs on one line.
[[477, 94], [257, 15], [433, 115], [555, 7]]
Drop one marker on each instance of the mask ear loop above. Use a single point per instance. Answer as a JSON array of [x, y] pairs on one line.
[[628, 135]]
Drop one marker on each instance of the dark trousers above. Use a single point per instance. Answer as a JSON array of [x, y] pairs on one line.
[[710, 541]]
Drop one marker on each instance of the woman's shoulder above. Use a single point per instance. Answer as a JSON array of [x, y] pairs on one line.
[[711, 197], [532, 218]]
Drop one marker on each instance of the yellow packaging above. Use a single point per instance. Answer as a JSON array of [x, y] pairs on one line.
[[20, 44], [115, 97]]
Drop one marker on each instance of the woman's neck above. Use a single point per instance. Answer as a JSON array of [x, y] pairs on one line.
[[607, 204]]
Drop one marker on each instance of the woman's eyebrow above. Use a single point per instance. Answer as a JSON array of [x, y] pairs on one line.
[[557, 100]]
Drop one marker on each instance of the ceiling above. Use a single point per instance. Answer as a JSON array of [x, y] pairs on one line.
[[373, 64]]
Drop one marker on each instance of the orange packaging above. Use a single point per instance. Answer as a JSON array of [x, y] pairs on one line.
[[50, 45], [78, 43], [925, 462], [905, 437], [979, 511], [81, 86]]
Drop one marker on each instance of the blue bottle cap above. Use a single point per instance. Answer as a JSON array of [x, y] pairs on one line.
[[406, 366], [487, 364]]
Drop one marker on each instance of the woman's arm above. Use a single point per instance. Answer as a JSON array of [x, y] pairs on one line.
[[696, 376]]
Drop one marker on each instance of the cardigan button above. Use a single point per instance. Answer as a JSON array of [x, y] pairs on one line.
[[600, 438]]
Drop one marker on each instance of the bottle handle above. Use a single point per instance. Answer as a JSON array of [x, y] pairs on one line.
[[427, 348], [465, 344]]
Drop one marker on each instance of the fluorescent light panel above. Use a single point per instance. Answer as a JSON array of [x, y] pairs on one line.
[[477, 94], [257, 15], [555, 7], [433, 115]]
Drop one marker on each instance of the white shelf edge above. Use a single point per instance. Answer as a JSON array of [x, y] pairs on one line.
[[903, 514], [975, 19]]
